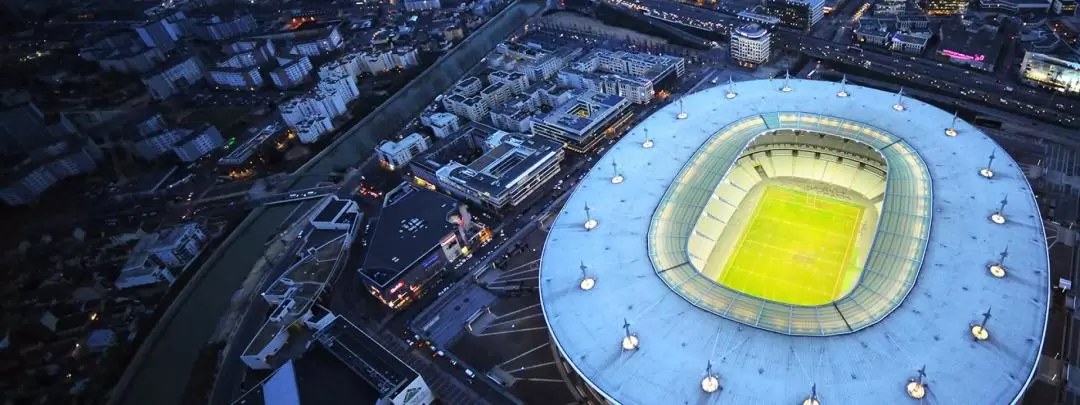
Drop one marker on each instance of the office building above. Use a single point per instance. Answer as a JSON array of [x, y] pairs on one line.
[[441, 124], [393, 379], [913, 43], [122, 52], [1054, 73], [24, 181], [751, 45], [533, 60], [174, 75], [1063, 7], [796, 14], [299, 108], [1016, 6], [396, 154], [467, 87], [946, 7], [505, 175], [580, 123], [291, 72], [417, 235], [198, 143], [159, 256], [662, 70], [263, 141], [890, 7]]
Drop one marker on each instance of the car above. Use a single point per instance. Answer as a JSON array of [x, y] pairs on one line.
[[470, 374], [309, 193], [294, 195]]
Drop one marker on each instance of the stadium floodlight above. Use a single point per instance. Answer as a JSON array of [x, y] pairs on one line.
[[998, 269], [618, 177], [590, 222], [951, 130], [587, 281], [987, 171], [711, 382], [682, 112], [916, 387], [630, 340], [787, 82], [843, 87], [730, 93], [979, 331], [648, 143], [899, 106], [812, 399], [998, 217]]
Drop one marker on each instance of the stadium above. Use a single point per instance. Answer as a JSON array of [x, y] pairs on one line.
[[799, 242]]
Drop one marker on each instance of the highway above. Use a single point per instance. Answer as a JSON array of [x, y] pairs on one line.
[[947, 79]]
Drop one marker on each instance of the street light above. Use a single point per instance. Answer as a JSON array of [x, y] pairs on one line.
[[730, 94], [617, 178], [843, 87], [899, 106], [711, 382], [590, 222], [682, 112], [951, 130], [630, 340], [787, 82], [587, 282], [998, 269], [998, 217], [648, 143], [916, 387], [987, 172], [979, 331]]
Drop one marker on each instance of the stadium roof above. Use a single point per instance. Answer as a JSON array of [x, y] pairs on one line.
[[931, 326]]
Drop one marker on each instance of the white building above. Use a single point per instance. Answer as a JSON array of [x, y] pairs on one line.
[[507, 174], [300, 108], [909, 42], [420, 5], [333, 101], [474, 108], [152, 146], [291, 72], [379, 61], [315, 126], [26, 186], [340, 81], [173, 76], [237, 78], [515, 81], [198, 143], [495, 93], [157, 257], [442, 124], [394, 155], [653, 67], [326, 43], [751, 45]]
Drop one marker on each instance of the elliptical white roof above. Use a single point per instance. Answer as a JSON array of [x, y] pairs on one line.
[[931, 327]]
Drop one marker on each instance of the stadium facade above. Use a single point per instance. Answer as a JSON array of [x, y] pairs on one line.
[[952, 280]]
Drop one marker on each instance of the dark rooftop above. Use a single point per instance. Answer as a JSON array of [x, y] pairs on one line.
[[366, 357], [330, 211], [411, 223]]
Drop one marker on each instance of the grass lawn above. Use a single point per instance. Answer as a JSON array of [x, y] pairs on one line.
[[799, 248]]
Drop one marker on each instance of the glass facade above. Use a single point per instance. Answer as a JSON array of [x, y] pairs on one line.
[[891, 268]]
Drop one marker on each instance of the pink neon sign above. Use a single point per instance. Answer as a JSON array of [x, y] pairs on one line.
[[958, 55]]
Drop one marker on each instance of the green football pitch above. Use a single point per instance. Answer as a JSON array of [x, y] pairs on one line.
[[799, 248]]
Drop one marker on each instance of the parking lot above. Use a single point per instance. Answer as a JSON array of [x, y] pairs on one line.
[[511, 342]]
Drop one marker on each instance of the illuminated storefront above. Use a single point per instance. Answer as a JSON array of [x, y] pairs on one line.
[[1050, 72]]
